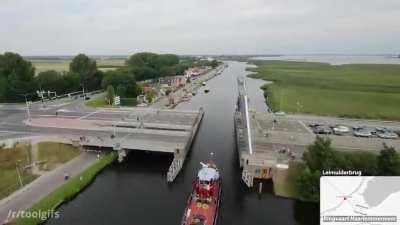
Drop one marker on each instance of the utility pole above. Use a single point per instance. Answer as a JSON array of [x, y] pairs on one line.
[[40, 95], [83, 91], [27, 109], [19, 175]]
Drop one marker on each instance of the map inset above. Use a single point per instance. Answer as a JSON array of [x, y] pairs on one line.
[[359, 200]]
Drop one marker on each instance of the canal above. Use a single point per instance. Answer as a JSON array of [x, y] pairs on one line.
[[135, 192]]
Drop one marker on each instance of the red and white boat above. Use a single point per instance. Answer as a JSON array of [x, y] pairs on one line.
[[203, 202]]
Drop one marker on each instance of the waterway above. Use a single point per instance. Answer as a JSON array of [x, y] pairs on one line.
[[135, 192]]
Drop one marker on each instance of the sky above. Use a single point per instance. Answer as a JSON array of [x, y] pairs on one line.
[[105, 27]]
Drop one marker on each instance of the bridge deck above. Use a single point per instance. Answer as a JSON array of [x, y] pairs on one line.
[[138, 129]]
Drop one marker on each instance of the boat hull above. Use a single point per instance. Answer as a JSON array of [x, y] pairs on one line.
[[207, 211]]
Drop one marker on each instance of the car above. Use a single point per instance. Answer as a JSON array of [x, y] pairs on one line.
[[380, 129], [314, 124], [322, 130], [280, 113], [388, 135], [362, 133], [358, 128], [340, 130]]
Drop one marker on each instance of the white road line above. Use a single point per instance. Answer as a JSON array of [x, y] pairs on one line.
[[13, 132], [305, 126], [90, 114], [64, 110], [65, 116]]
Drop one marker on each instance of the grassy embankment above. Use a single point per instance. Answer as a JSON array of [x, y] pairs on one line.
[[61, 65], [54, 154], [67, 191], [12, 161], [99, 101], [357, 91]]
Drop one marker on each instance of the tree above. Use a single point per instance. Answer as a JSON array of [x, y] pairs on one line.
[[320, 155], [151, 95], [3, 89], [110, 94], [144, 73], [121, 77], [389, 162], [71, 82], [95, 81], [214, 63], [366, 162], [50, 80], [84, 66], [121, 90], [168, 59], [16, 77], [146, 65], [143, 59], [308, 185]]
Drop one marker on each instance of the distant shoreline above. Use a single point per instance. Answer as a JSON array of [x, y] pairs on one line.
[[337, 59]]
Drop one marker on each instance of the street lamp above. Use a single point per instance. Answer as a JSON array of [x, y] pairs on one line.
[[18, 173], [27, 107]]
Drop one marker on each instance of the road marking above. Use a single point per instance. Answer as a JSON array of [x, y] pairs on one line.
[[12, 132], [64, 110], [65, 116], [305, 126], [90, 114]]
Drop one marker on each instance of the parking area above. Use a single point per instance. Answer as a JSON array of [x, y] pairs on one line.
[[272, 134], [361, 131]]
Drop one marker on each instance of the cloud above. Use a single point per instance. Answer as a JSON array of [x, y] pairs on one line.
[[44, 27]]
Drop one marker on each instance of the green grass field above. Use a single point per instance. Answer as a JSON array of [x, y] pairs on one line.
[[359, 91], [10, 160], [99, 101], [55, 154], [61, 65]]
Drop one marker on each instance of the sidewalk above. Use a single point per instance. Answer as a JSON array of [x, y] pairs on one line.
[[29, 195]]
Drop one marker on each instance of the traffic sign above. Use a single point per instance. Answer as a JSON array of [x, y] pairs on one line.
[[117, 100]]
